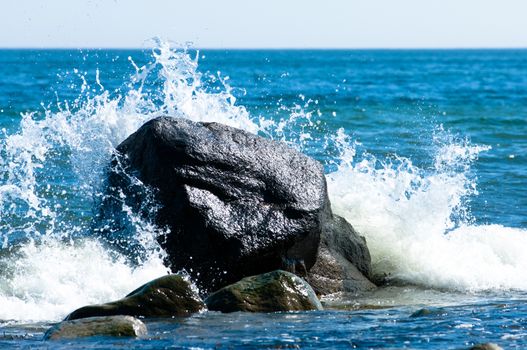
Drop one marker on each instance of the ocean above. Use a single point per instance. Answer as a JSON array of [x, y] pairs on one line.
[[424, 153]]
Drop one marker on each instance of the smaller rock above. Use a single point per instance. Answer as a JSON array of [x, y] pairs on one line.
[[167, 296], [270, 292], [333, 274], [343, 261], [109, 326], [427, 312], [486, 346]]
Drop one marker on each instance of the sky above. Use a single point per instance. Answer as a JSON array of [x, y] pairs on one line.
[[265, 24]]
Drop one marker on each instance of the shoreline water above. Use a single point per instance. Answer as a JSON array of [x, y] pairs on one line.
[[453, 324]]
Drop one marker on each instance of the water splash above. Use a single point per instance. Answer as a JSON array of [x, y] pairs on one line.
[[52, 176], [417, 223], [47, 280]]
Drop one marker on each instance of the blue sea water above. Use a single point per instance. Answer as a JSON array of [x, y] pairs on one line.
[[424, 150]]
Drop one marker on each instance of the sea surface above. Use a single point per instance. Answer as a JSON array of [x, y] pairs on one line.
[[425, 153]]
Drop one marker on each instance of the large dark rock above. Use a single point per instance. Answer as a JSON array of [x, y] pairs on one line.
[[109, 326], [343, 262], [236, 204], [167, 296], [269, 292]]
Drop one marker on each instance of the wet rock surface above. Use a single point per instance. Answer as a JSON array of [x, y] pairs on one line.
[[110, 326], [343, 261], [236, 204], [167, 296], [269, 292]]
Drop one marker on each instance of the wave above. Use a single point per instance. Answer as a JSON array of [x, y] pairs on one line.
[[47, 280], [417, 224], [52, 174]]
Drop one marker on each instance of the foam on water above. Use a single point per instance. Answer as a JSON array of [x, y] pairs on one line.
[[52, 173], [48, 280], [417, 225]]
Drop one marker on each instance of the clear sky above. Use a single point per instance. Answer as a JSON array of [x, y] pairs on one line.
[[265, 24]]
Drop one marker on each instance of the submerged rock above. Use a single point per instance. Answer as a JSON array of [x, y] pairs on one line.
[[167, 296], [486, 346], [236, 204], [269, 292], [343, 261], [109, 326], [428, 312]]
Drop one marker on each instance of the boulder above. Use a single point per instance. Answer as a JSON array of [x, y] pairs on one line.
[[269, 292], [235, 204], [109, 326], [343, 261], [167, 296]]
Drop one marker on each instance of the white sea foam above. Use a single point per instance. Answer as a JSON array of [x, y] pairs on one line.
[[46, 281], [416, 224]]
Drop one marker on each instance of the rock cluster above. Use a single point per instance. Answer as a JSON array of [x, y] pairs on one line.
[[236, 205], [240, 209]]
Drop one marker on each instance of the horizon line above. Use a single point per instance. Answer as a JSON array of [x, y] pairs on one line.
[[409, 48]]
